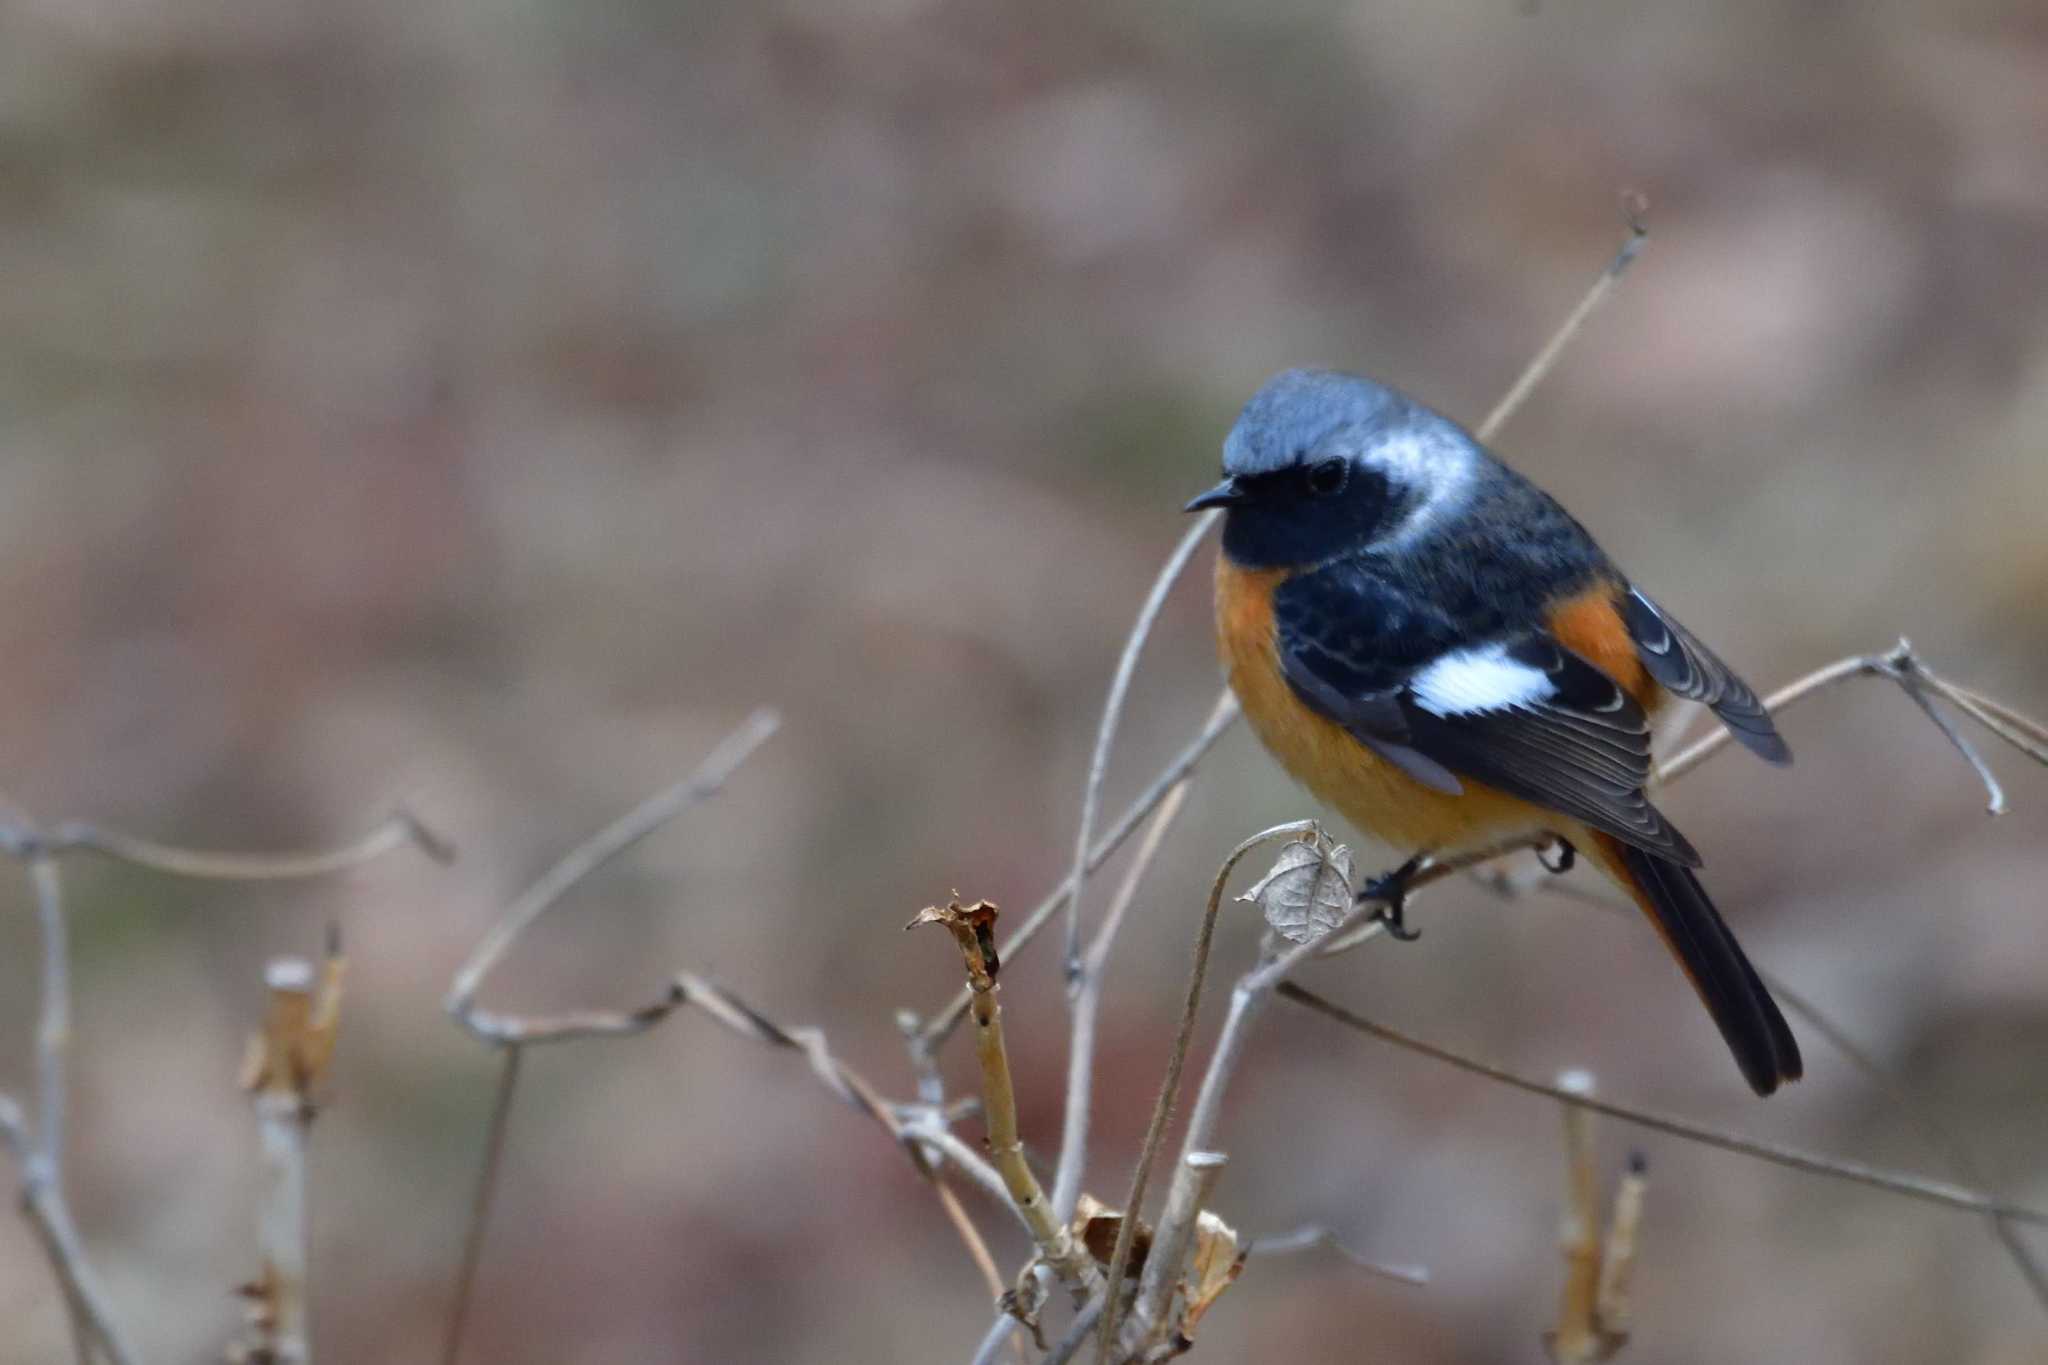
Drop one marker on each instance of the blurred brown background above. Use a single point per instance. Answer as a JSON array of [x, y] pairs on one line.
[[488, 404]]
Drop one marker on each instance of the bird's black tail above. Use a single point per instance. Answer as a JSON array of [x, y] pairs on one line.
[[1729, 987]]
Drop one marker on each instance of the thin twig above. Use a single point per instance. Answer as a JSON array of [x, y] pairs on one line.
[[38, 1143], [593, 853], [1169, 1088], [969, 1234], [398, 830], [851, 1087], [1633, 208], [480, 1203], [1936, 1134], [1112, 715], [2024, 733], [954, 1148], [1315, 1236], [940, 1025], [53, 1027], [1349, 932], [1902, 665], [1087, 1008], [1918, 683], [1939, 1138], [1189, 1191], [1899, 1183], [1077, 1334]]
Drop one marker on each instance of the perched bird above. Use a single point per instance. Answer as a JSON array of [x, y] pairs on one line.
[[1439, 651]]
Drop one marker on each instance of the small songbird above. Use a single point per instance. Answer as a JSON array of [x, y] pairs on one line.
[[1439, 651]]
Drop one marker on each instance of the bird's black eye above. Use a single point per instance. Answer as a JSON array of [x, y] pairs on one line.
[[1326, 478]]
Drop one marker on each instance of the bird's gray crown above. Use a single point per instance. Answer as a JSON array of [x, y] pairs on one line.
[[1302, 416], [1299, 411]]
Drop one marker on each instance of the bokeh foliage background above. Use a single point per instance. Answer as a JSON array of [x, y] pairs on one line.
[[487, 404]]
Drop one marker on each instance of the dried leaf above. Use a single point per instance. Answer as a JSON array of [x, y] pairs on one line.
[[1096, 1226], [1308, 891], [972, 926], [1213, 1268]]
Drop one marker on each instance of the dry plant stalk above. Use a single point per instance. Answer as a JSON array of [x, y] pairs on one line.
[[973, 930], [1593, 1303], [1613, 1304], [37, 1141], [575, 865], [284, 1071]]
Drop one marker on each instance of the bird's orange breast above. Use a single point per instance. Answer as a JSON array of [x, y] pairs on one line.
[[1364, 788], [1367, 790]]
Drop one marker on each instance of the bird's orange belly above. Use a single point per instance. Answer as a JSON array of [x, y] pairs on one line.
[[1367, 790]]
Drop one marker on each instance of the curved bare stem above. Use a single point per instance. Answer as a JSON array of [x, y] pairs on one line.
[[1169, 1088], [399, 829], [586, 858], [1112, 715], [1901, 1183]]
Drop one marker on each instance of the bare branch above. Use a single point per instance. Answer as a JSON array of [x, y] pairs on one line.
[[1169, 1088], [1087, 1007], [1077, 1334], [53, 1025], [1633, 209], [38, 1145], [398, 830], [941, 1025], [593, 853], [944, 1141], [1314, 1236], [1112, 715], [481, 1202], [1903, 666], [2024, 733], [1938, 1137], [1187, 1194], [1900, 1183], [1936, 1134], [741, 1018]]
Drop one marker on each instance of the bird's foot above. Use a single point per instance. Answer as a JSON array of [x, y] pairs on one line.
[[1391, 889], [1567, 856]]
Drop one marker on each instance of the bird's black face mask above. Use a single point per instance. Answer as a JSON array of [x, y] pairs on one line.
[[1302, 513]]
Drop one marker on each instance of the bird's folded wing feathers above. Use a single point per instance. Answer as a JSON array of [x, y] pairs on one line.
[[1520, 713], [1676, 658]]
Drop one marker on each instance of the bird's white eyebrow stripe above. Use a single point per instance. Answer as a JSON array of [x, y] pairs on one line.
[[1432, 462], [1480, 679]]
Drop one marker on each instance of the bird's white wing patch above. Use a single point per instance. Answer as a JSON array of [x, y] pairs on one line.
[[1482, 679]]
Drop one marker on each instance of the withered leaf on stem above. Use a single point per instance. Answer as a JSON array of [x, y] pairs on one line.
[[1308, 891], [1218, 1258], [1096, 1226], [972, 926]]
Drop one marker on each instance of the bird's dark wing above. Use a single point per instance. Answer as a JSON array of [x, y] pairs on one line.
[[1519, 712], [1687, 668]]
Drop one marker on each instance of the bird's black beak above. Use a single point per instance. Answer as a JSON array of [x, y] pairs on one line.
[[1225, 494]]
